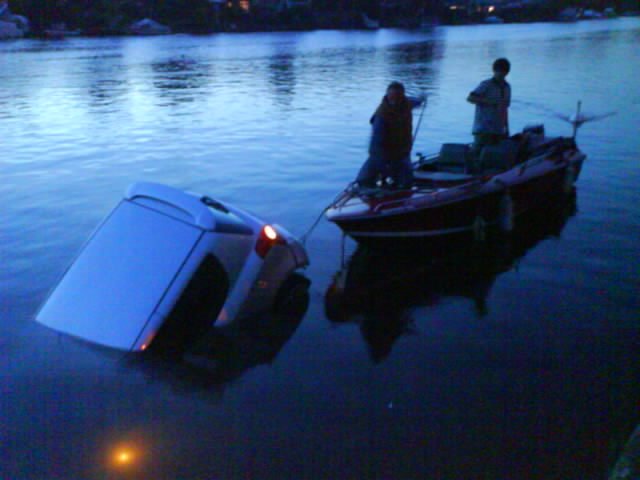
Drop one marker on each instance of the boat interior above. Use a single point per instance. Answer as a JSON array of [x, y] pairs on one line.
[[459, 162]]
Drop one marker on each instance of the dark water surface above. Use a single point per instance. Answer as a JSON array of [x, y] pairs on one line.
[[518, 359]]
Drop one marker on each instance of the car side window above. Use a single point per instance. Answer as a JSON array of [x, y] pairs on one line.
[[197, 308]]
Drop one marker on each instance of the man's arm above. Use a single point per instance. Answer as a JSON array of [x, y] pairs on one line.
[[416, 101], [479, 96], [377, 135], [477, 99]]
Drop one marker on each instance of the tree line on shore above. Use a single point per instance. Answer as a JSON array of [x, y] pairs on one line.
[[108, 17], [104, 17]]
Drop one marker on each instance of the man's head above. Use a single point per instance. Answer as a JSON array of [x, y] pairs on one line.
[[395, 92], [501, 68]]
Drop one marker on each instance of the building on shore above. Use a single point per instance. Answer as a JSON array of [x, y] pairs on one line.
[[476, 11], [113, 17], [12, 25]]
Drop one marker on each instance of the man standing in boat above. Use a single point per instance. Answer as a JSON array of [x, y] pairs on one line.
[[492, 99], [389, 161]]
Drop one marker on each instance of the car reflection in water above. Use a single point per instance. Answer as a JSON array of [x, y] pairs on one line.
[[225, 353], [379, 284]]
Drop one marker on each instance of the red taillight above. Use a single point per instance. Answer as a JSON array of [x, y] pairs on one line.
[[270, 233], [267, 239], [147, 342]]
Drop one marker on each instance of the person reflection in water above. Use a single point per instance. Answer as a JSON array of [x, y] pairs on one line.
[[389, 162], [492, 99]]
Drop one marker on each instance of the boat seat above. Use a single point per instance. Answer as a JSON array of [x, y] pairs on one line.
[[454, 157], [498, 158]]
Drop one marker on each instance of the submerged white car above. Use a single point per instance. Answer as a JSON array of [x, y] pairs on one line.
[[165, 265]]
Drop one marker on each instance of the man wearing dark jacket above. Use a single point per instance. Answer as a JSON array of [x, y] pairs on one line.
[[389, 161]]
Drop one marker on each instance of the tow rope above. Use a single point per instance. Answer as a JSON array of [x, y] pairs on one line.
[[304, 237]]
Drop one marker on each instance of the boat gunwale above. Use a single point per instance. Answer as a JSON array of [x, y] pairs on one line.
[[382, 209]]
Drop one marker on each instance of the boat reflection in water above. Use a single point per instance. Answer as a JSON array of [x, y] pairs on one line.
[[379, 284], [225, 353]]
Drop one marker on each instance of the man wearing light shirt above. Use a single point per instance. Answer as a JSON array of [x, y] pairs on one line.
[[492, 99]]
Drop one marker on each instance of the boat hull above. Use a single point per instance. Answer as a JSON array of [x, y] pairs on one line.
[[469, 208]]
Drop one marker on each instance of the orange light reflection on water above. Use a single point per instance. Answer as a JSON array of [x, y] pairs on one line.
[[125, 457]]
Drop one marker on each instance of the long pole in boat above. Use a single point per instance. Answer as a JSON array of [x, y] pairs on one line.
[[576, 121], [415, 133]]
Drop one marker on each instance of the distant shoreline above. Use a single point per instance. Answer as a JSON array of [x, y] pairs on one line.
[[273, 29], [288, 21]]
